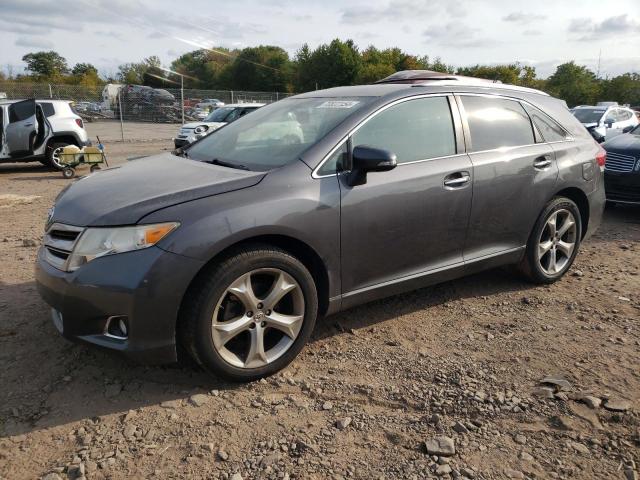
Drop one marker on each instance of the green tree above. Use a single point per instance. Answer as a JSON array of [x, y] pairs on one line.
[[80, 69], [147, 72], [205, 68], [46, 65], [437, 65], [503, 73], [624, 89], [575, 84], [329, 65], [264, 68]]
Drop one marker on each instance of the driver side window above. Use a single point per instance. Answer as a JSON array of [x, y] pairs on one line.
[[414, 130]]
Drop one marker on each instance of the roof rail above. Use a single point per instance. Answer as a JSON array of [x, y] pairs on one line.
[[423, 78]]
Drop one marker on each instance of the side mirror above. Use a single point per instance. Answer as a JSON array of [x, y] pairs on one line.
[[608, 123], [627, 129], [369, 159]]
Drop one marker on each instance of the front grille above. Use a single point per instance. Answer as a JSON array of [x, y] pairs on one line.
[[59, 241], [619, 163]]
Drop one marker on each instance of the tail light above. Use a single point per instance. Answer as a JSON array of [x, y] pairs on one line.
[[601, 157], [79, 122]]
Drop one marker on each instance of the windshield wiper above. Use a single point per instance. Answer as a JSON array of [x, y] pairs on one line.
[[222, 163]]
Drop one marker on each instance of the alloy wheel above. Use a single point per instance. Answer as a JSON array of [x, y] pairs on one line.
[[258, 318], [557, 242], [55, 157]]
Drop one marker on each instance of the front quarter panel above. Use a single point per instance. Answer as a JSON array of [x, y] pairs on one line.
[[288, 202]]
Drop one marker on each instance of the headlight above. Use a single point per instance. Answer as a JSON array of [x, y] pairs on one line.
[[98, 242], [200, 129]]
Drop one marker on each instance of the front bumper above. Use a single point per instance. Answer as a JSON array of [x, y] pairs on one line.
[[180, 142], [622, 187], [145, 286]]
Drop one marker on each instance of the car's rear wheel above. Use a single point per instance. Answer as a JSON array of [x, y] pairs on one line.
[[52, 155], [554, 242], [250, 315]]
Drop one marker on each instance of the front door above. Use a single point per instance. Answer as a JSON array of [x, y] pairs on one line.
[[514, 175], [21, 129], [413, 218]]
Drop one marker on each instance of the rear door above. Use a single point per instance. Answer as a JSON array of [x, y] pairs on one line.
[[21, 129], [514, 176]]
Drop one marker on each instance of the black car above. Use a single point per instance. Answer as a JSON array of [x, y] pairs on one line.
[[622, 170], [312, 205]]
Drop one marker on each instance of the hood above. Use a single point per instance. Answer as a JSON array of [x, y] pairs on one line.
[[123, 195], [212, 125], [625, 144]]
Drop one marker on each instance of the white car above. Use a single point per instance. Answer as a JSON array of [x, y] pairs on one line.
[[190, 132], [38, 130], [210, 103], [605, 121]]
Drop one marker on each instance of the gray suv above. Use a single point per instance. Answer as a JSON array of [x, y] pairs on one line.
[[234, 246]]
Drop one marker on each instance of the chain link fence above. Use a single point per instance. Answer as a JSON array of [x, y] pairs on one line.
[[129, 105]]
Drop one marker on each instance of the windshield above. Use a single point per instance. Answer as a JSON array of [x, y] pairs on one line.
[[220, 114], [589, 115], [277, 134]]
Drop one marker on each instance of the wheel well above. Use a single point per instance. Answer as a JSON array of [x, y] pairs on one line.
[[70, 139], [580, 199], [303, 252]]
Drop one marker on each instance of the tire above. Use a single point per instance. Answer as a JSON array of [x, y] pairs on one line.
[[94, 168], [218, 298], [547, 257], [50, 155], [68, 172]]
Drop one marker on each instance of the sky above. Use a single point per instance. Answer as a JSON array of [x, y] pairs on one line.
[[543, 33]]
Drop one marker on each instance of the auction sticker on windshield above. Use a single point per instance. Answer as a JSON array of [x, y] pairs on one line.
[[338, 104]]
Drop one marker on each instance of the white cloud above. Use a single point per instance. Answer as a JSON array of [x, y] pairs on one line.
[[620, 25], [456, 34], [31, 42], [523, 18]]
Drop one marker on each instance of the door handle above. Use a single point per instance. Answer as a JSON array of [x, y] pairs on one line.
[[28, 124], [457, 179], [542, 162]]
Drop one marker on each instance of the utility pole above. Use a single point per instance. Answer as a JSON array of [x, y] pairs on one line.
[[599, 59], [182, 96]]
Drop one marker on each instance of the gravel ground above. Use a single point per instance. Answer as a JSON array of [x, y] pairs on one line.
[[110, 131], [485, 377]]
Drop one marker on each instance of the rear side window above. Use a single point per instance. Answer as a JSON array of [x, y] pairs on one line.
[[624, 115], [550, 130], [48, 109], [414, 130], [496, 123], [21, 111]]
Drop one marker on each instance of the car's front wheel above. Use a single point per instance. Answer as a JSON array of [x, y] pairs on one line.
[[554, 242], [249, 315]]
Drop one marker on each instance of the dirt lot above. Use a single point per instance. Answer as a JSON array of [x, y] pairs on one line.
[[110, 131], [369, 398]]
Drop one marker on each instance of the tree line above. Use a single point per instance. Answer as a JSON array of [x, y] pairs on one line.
[[270, 68]]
